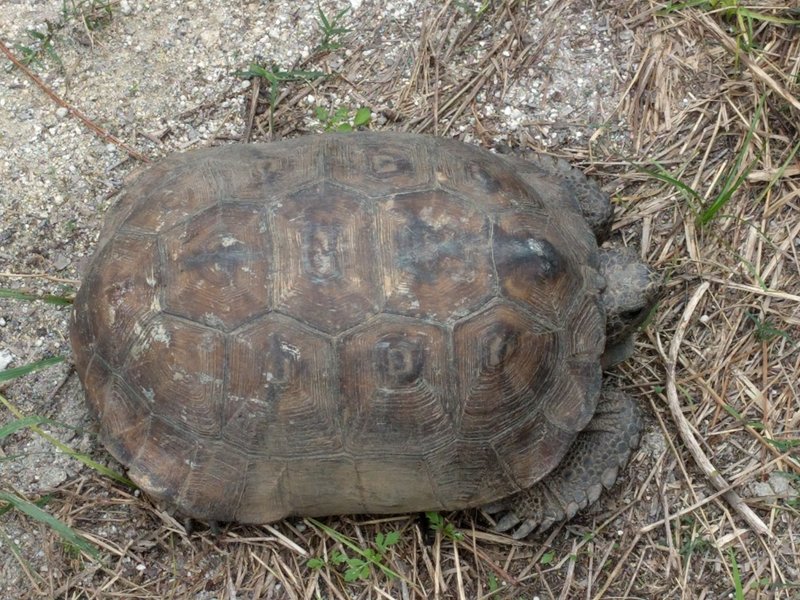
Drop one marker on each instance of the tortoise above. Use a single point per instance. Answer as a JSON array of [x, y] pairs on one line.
[[361, 323]]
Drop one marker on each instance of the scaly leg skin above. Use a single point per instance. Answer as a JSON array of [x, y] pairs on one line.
[[591, 464]]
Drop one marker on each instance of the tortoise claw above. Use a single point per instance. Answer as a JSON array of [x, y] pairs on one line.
[[508, 521], [190, 526], [495, 507], [527, 527]]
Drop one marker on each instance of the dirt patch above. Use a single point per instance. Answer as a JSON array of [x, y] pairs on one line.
[[616, 88]]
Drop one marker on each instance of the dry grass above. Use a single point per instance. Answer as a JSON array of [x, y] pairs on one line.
[[718, 366]]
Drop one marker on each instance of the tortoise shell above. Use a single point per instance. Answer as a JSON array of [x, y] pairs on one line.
[[354, 323]]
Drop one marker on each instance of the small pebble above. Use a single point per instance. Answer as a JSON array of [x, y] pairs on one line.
[[61, 112], [5, 358]]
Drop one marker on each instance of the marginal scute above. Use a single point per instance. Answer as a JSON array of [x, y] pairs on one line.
[[485, 178], [119, 296], [308, 490], [529, 451], [214, 467], [378, 167], [124, 416], [162, 461], [531, 268], [186, 191], [587, 331], [257, 172], [384, 482], [266, 479], [178, 367], [571, 398]]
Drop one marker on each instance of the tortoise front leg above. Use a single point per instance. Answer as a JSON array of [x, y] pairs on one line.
[[591, 464]]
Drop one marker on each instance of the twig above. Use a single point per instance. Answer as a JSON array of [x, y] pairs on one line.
[[693, 507], [255, 88], [685, 430], [74, 111]]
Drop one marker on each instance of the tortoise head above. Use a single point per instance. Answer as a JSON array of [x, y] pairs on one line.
[[632, 290]]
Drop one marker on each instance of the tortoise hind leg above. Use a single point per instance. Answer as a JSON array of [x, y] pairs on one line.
[[591, 464]]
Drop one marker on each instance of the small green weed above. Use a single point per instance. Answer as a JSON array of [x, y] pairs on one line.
[[548, 557], [438, 523], [757, 425], [784, 445], [763, 583], [472, 8], [93, 14], [765, 331], [276, 78], [695, 544], [331, 29], [41, 45], [492, 583], [340, 119], [359, 566]]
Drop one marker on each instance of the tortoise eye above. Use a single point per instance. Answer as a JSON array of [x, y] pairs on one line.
[[631, 316]]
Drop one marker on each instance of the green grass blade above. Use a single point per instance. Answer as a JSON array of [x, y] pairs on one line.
[[679, 6], [758, 16], [658, 172], [724, 197], [738, 592], [43, 501], [86, 460], [10, 374], [22, 423], [61, 528], [48, 298], [734, 181], [363, 116]]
